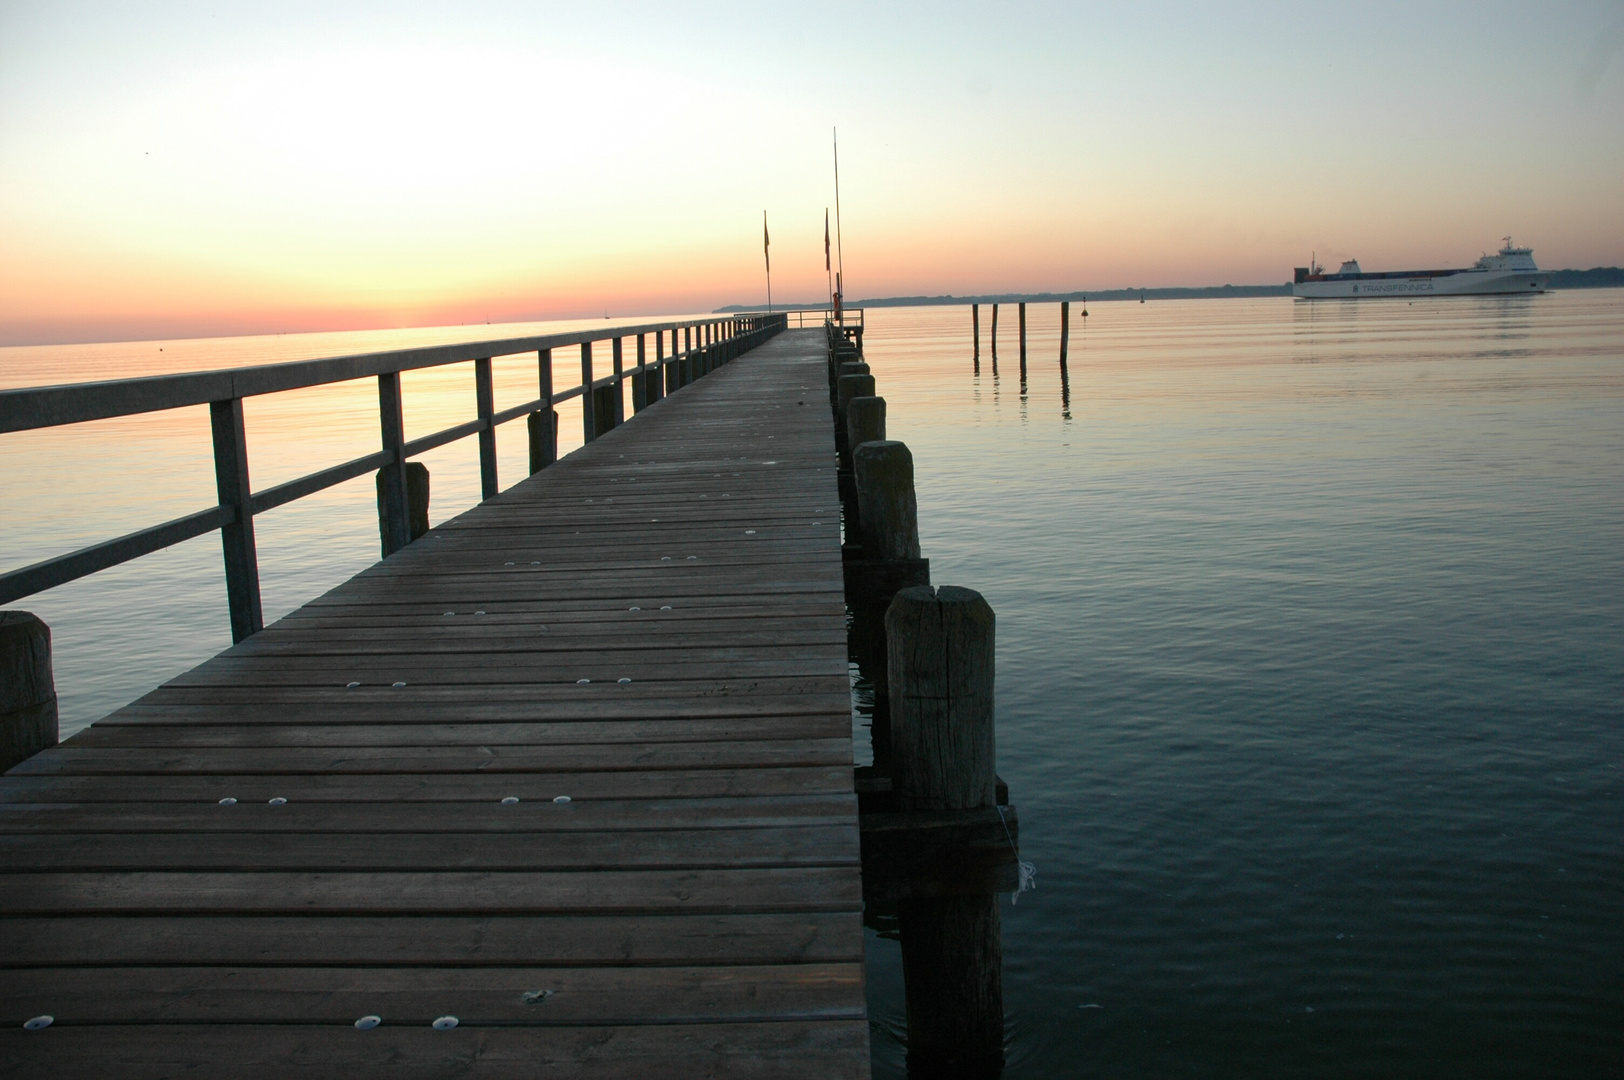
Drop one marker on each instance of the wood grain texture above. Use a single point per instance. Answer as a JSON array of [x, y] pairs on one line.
[[695, 904]]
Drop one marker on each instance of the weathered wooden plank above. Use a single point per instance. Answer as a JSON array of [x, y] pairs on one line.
[[490, 815], [325, 731], [441, 788], [709, 892], [694, 848], [461, 940], [791, 1050], [407, 759], [521, 995]]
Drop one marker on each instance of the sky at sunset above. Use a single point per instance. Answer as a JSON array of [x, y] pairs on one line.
[[176, 169]]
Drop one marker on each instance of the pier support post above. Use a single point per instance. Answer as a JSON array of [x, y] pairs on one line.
[[865, 421], [940, 645], [1021, 312], [993, 337], [28, 719], [975, 327], [543, 429], [417, 502], [603, 408], [849, 386], [885, 500]]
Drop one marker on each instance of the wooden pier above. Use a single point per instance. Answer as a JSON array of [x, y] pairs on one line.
[[562, 788]]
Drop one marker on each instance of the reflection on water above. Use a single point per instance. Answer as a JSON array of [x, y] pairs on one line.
[[1310, 622]]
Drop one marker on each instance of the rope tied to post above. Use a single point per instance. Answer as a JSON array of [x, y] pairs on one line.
[[1028, 872]]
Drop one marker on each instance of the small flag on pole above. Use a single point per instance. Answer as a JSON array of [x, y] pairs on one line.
[[766, 243], [826, 265]]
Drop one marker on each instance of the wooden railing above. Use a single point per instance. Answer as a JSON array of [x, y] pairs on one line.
[[705, 344]]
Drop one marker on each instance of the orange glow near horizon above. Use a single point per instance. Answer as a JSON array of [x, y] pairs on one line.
[[162, 176]]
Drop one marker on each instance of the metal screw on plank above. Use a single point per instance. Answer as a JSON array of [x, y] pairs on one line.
[[367, 1023], [665, 607], [228, 801], [399, 685], [561, 799], [634, 609], [279, 801], [39, 1023], [623, 682], [510, 800], [445, 1023], [582, 682], [351, 685]]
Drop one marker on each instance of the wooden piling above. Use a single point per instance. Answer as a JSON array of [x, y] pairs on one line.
[[543, 430], [417, 500], [28, 716], [975, 327], [940, 669], [1065, 328], [1022, 313], [865, 421], [850, 386], [994, 336], [885, 500]]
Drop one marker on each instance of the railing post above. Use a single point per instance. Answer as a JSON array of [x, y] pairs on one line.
[[237, 535], [587, 428], [542, 424], [485, 397], [394, 519], [640, 377], [656, 386], [619, 354]]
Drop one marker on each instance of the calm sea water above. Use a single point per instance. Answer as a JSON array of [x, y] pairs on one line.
[[1310, 678], [1311, 651]]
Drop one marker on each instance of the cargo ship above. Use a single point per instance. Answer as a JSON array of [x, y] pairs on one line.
[[1511, 270]]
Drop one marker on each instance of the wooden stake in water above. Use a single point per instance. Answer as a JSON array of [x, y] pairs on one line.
[[995, 335], [975, 327], [1065, 328]]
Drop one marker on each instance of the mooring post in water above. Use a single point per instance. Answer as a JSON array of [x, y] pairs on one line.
[[1065, 329], [975, 327], [849, 386], [1022, 313], [28, 720], [865, 421], [940, 645], [885, 500], [993, 337], [417, 501]]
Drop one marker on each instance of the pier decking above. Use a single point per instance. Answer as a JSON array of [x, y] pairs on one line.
[[653, 629]]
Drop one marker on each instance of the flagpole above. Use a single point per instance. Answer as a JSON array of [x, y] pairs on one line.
[[840, 251], [826, 267]]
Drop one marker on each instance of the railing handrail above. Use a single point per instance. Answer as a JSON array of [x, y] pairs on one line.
[[27, 408], [713, 342]]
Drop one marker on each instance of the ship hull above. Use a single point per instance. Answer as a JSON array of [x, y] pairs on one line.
[[1423, 283]]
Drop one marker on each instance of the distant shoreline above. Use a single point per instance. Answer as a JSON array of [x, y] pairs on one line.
[[1601, 277]]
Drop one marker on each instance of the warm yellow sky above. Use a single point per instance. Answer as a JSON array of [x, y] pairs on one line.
[[177, 169]]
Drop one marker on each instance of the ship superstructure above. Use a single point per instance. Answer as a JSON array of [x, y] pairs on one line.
[[1510, 270]]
